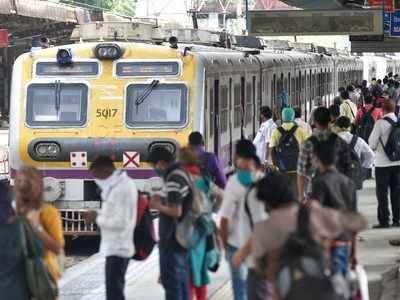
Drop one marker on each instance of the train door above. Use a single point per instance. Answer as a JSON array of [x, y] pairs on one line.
[[242, 106], [210, 115], [215, 119], [255, 93], [230, 122], [224, 132]]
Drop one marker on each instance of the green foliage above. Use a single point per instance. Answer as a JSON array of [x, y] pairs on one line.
[[125, 7]]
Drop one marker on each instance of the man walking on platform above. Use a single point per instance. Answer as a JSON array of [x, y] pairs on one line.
[[116, 219], [172, 203], [263, 137], [285, 146], [348, 108], [387, 172], [306, 167], [209, 161]]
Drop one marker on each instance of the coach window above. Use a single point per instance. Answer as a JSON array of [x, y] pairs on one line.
[[249, 104], [224, 109], [57, 104], [163, 104], [236, 106]]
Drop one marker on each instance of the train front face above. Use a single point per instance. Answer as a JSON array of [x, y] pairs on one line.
[[73, 103]]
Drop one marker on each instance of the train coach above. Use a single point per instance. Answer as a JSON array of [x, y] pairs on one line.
[[122, 99]]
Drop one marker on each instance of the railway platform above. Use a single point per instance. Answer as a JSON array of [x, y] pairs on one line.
[[86, 280]]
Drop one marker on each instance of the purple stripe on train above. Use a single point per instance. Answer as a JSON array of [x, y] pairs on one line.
[[85, 174]]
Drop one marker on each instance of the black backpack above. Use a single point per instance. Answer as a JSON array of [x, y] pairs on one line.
[[288, 149], [366, 125], [357, 170], [301, 272], [392, 147], [144, 237]]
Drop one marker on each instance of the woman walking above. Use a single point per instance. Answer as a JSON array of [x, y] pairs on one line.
[[43, 217]]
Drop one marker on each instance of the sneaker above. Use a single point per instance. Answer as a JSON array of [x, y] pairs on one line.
[[380, 226], [396, 224]]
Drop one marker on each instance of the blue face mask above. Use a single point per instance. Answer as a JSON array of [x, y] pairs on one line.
[[244, 177]]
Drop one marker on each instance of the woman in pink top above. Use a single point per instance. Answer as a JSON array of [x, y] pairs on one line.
[[376, 112]]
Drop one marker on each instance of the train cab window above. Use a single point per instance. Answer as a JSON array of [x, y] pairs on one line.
[[160, 105], [57, 104], [224, 109]]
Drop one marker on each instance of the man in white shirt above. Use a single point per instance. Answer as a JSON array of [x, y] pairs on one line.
[[387, 172], [117, 220], [348, 108], [299, 121], [235, 229], [362, 149], [263, 137]]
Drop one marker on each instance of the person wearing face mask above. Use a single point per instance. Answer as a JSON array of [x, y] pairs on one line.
[[232, 232], [44, 218], [173, 202], [117, 220]]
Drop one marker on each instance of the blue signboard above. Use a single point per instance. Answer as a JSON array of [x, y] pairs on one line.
[[395, 24]]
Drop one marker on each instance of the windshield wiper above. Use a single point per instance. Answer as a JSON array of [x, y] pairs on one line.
[[146, 93]]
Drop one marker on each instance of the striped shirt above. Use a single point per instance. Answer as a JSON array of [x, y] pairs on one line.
[[177, 193]]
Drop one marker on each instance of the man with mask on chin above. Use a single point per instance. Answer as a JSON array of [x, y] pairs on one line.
[[172, 202], [117, 220], [232, 212]]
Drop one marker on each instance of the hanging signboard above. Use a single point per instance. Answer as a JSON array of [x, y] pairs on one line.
[[389, 4], [3, 38], [395, 24], [316, 22]]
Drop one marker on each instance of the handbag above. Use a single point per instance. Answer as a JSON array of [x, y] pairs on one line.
[[41, 284]]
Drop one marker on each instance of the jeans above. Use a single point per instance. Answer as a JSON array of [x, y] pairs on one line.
[[340, 257], [115, 277], [238, 275], [388, 178], [174, 273]]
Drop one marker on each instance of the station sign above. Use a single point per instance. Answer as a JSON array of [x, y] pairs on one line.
[[3, 38], [389, 4], [395, 24], [316, 22]]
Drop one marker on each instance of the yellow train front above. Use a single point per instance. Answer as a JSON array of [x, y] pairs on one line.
[[70, 104]]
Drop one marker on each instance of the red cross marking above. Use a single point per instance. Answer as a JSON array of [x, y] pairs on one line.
[[131, 159]]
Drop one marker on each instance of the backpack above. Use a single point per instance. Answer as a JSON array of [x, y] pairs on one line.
[[392, 147], [366, 124], [301, 272], [357, 171], [196, 223], [287, 150], [203, 165], [144, 237]]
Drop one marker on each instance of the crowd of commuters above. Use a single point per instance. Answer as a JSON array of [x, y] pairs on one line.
[[292, 195]]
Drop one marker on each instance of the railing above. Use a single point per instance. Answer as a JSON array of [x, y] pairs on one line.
[[74, 223]]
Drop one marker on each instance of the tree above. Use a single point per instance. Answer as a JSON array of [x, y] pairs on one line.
[[125, 7]]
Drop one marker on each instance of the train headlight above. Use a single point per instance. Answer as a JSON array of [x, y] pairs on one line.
[[47, 150], [108, 51], [167, 145], [64, 56]]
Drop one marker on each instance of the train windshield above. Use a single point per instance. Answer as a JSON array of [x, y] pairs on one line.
[[164, 104], [57, 104]]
